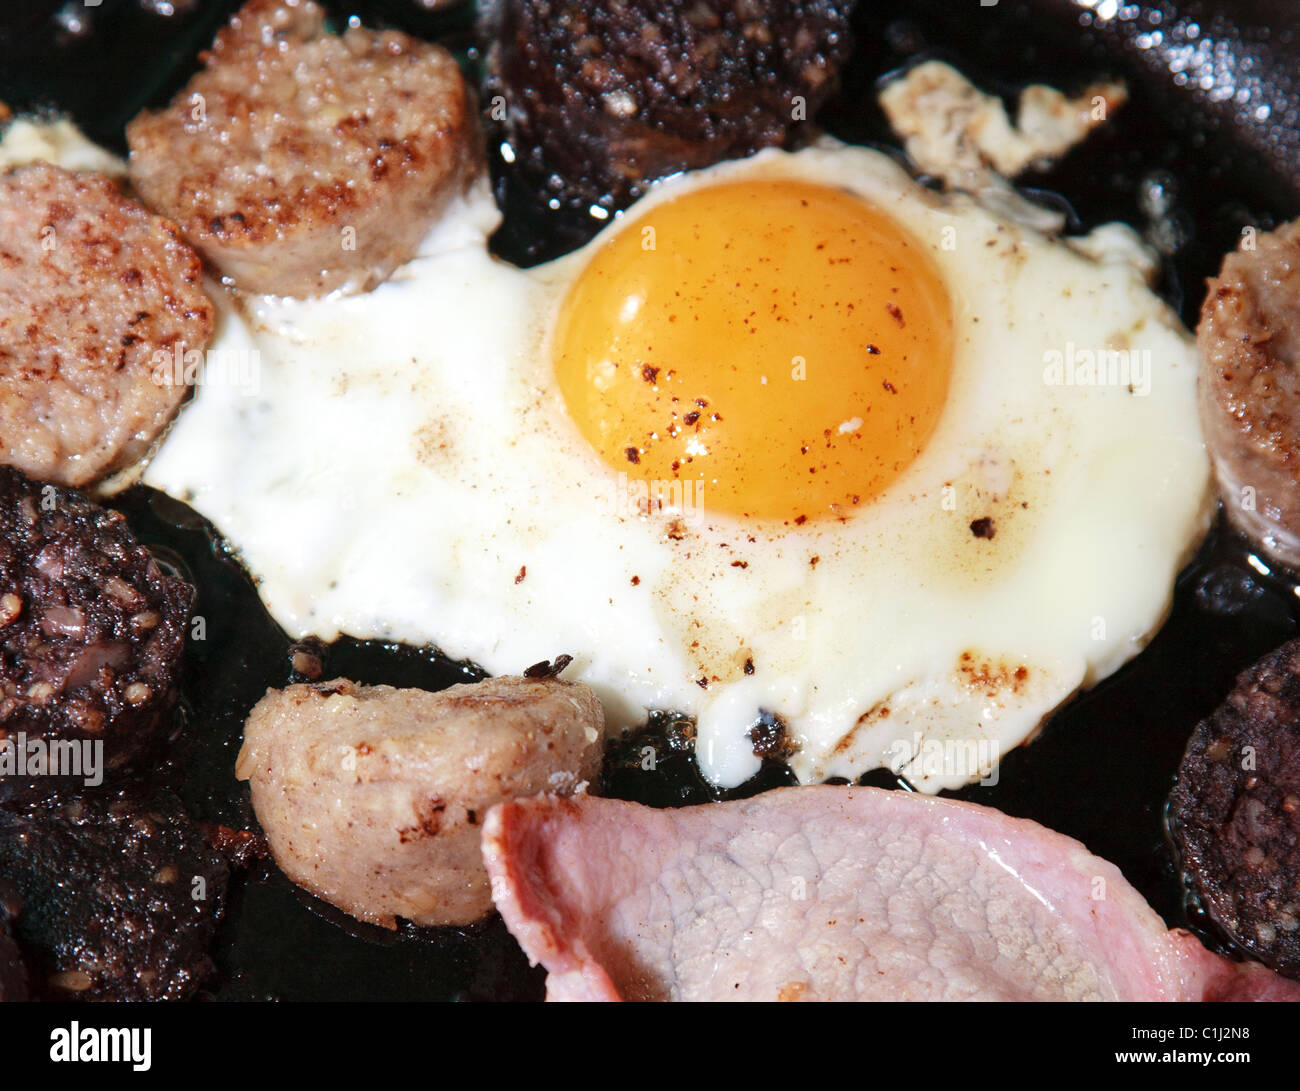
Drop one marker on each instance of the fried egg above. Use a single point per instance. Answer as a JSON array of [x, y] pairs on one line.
[[794, 441]]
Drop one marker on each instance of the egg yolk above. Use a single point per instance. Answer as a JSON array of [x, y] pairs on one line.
[[780, 349]]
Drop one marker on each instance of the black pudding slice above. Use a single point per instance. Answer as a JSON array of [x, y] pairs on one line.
[[1235, 811], [92, 633], [120, 895]]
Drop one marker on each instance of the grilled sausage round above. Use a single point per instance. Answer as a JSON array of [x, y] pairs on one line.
[[299, 162], [371, 797], [1249, 343], [98, 298]]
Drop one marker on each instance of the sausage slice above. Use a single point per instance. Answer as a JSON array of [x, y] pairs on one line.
[[373, 797], [299, 162], [100, 303], [1249, 343]]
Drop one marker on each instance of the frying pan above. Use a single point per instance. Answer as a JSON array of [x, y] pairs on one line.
[[1208, 143]]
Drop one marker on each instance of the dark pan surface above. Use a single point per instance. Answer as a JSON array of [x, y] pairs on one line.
[[1184, 162]]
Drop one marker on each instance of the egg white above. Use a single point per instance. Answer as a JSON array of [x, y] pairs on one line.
[[405, 469]]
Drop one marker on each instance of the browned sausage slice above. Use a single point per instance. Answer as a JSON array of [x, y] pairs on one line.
[[373, 797], [1249, 343], [299, 162], [95, 294]]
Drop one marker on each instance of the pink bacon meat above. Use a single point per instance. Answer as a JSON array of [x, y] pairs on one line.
[[834, 893]]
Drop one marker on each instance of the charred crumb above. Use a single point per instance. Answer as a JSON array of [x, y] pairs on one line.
[[983, 527], [749, 664], [547, 669], [889, 387], [239, 848], [1234, 812], [650, 374], [770, 738], [633, 455], [307, 660], [340, 686]]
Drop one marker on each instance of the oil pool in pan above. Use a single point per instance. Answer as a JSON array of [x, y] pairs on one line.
[[1171, 162]]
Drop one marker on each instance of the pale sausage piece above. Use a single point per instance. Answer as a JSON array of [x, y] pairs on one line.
[[372, 797]]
